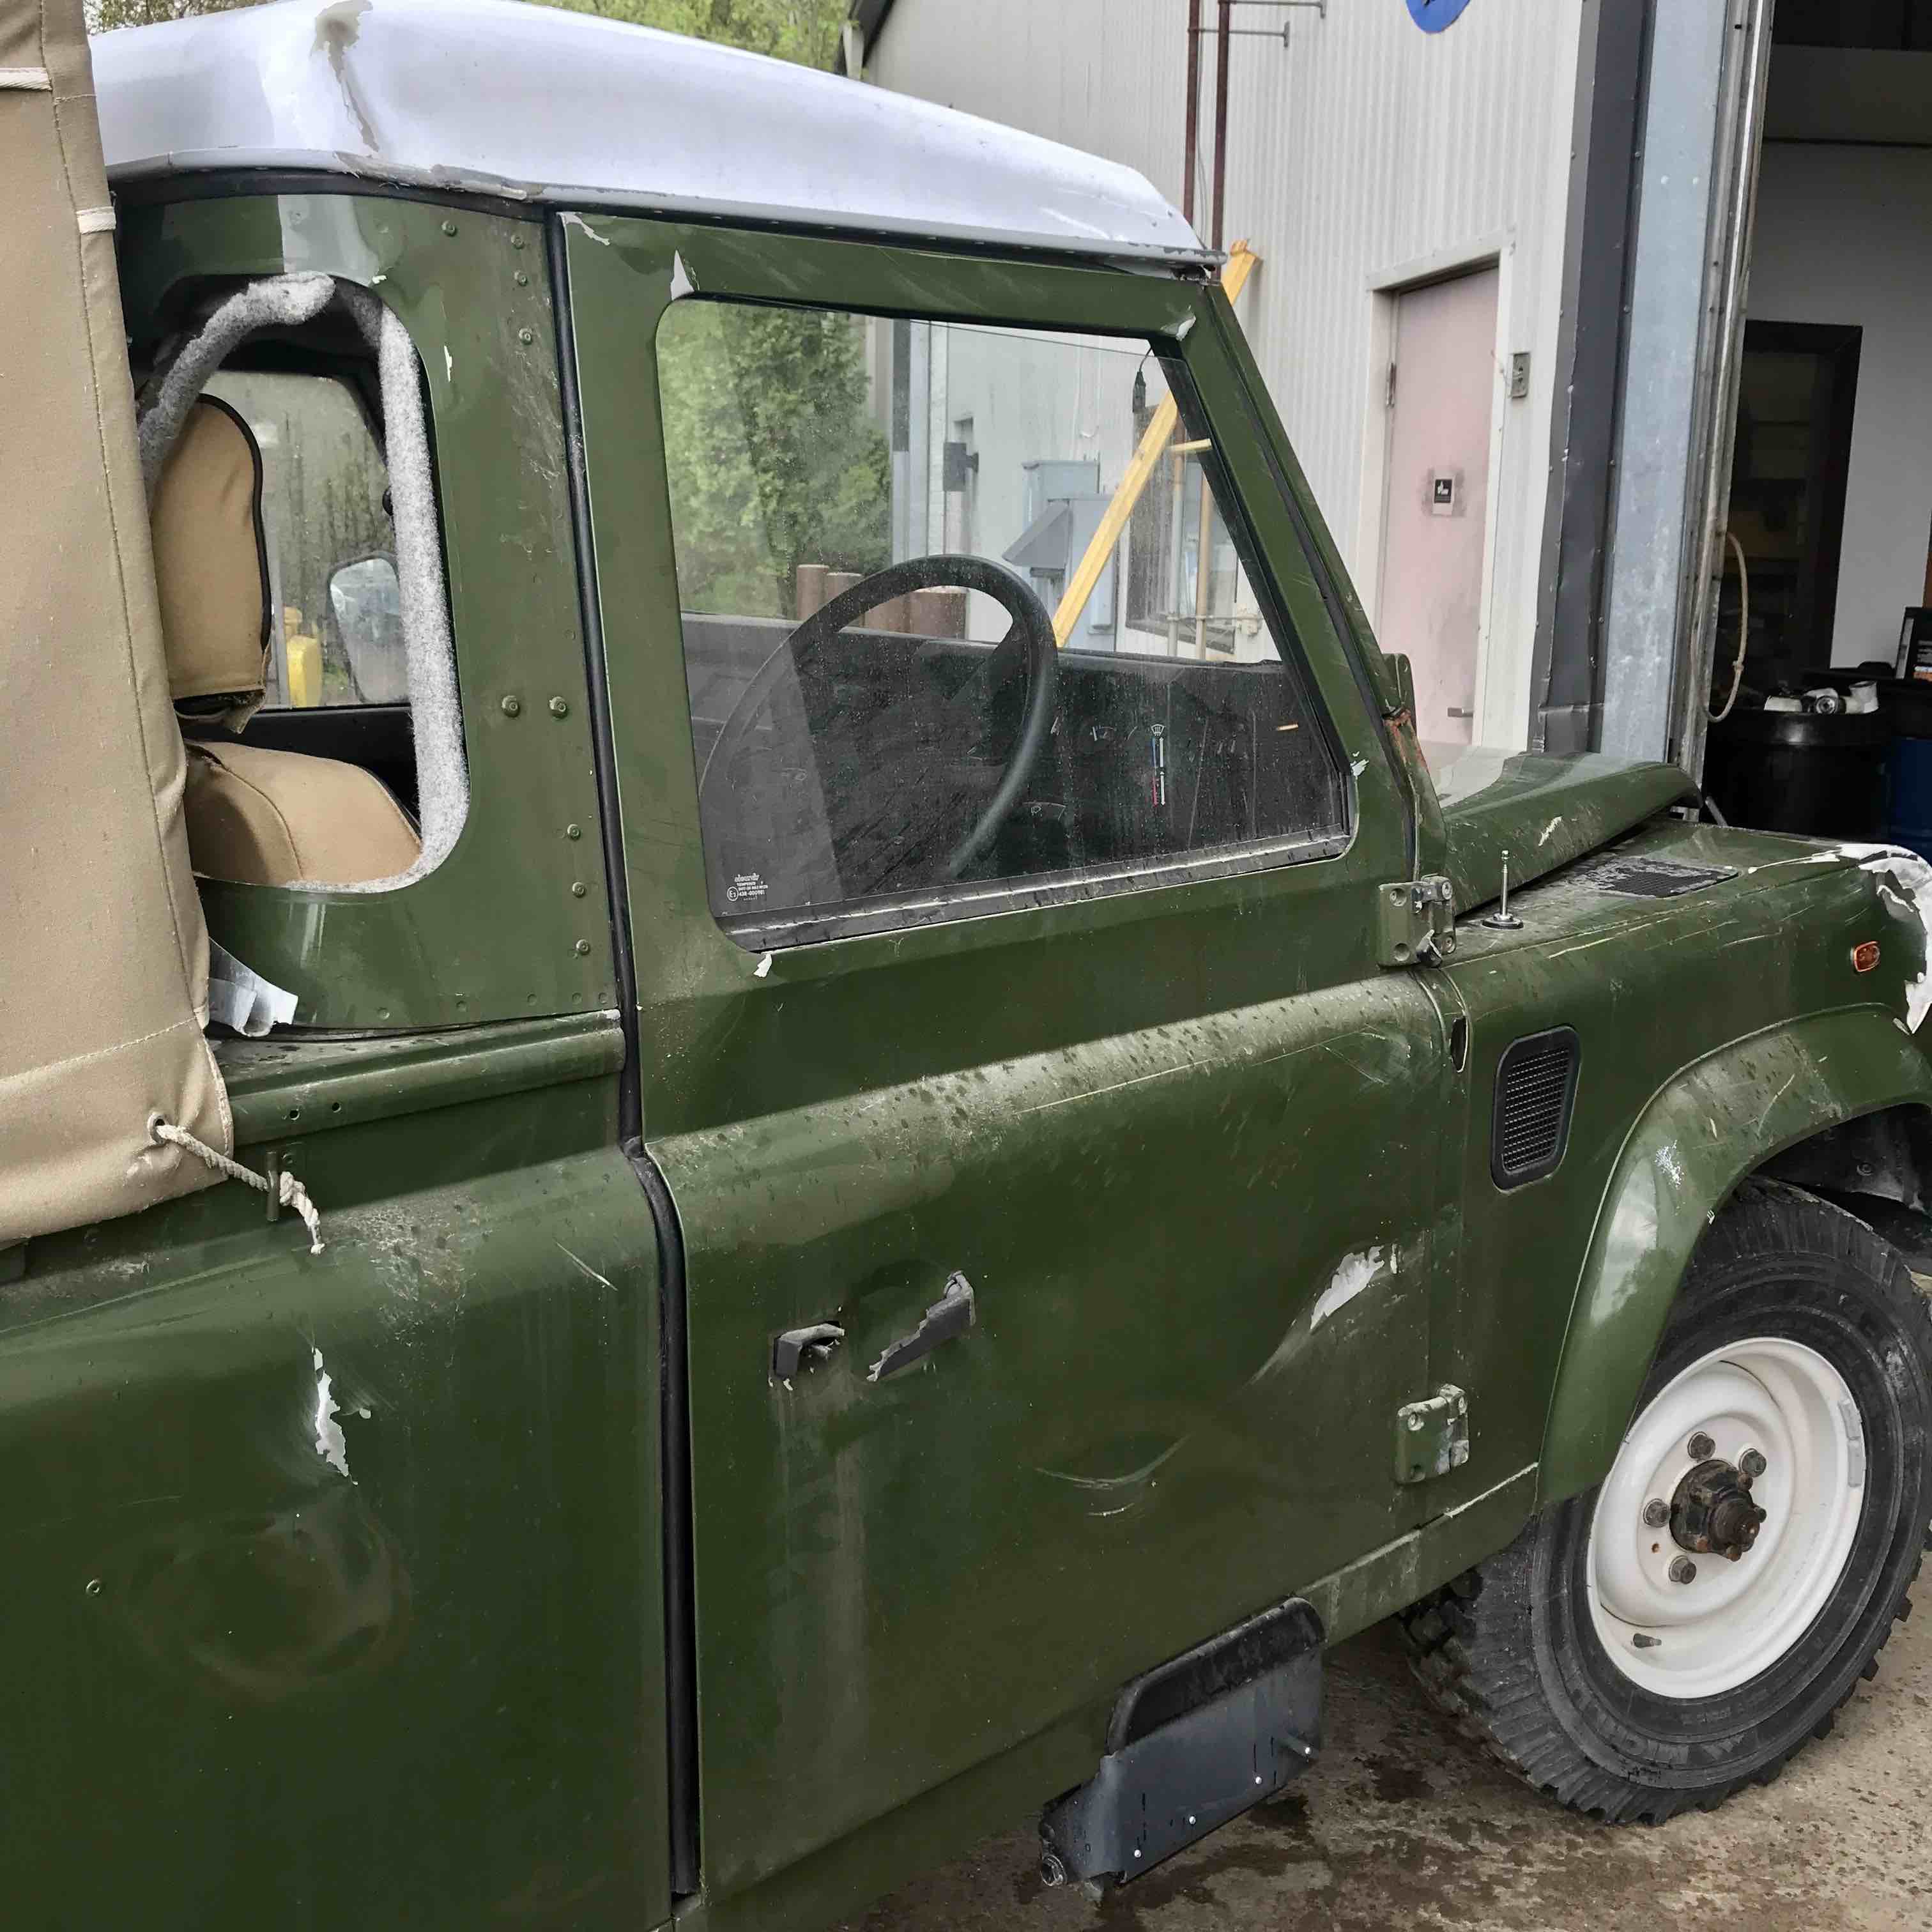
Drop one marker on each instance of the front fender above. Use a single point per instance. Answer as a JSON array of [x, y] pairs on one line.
[[1705, 1130]]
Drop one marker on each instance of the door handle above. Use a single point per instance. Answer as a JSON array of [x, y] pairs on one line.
[[951, 1316], [799, 1348]]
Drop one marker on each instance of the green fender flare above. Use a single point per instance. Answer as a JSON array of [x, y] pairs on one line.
[[1709, 1126]]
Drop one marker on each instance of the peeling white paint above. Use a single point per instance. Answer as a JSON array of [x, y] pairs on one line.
[[763, 966], [330, 1443], [683, 282], [572, 219], [1905, 890], [449, 365], [1358, 766], [1544, 840], [1352, 1274]]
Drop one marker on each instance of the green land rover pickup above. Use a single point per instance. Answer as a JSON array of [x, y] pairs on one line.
[[872, 1144]]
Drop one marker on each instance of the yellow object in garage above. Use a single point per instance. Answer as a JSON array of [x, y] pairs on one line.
[[302, 655]]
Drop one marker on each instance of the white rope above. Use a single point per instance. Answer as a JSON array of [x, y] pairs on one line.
[[287, 1188], [1744, 638]]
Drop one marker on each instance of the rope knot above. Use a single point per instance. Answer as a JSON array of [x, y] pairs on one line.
[[286, 1189]]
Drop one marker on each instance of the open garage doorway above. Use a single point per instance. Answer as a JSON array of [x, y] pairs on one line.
[[1830, 731]]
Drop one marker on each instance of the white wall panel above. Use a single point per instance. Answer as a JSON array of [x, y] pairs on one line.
[[1364, 146]]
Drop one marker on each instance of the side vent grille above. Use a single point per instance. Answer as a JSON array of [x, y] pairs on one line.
[[1536, 1084]]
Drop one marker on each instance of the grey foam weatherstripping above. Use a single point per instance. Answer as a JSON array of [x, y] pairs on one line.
[[436, 714], [429, 651], [286, 302]]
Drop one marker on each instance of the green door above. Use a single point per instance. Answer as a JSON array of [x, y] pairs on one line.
[[1084, 1019]]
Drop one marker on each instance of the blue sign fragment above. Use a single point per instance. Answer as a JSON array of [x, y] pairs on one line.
[[1432, 16]]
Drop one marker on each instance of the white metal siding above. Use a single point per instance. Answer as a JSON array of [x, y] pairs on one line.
[[1365, 150]]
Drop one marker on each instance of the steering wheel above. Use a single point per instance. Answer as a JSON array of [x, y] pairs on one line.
[[1029, 646]]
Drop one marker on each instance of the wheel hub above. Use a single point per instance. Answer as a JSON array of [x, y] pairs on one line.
[[1712, 1512]]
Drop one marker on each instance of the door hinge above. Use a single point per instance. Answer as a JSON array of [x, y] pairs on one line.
[[1415, 921], [1388, 389], [1432, 1437]]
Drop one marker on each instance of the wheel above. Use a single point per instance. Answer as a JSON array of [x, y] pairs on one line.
[[1679, 1632]]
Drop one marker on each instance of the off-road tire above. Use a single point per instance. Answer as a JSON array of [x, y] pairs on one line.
[[1509, 1649]]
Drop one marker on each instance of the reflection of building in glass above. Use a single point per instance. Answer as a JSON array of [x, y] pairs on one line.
[[1012, 444]]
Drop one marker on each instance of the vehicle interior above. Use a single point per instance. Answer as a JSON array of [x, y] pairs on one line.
[[915, 673], [870, 765], [273, 524]]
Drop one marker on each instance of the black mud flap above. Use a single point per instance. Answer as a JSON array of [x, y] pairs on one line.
[[1192, 1744]]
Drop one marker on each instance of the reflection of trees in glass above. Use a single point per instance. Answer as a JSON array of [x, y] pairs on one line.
[[804, 31], [773, 459]]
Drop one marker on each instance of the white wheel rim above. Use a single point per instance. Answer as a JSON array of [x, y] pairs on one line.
[[1731, 1620]]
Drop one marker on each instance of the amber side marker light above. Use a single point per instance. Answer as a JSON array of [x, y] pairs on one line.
[[1864, 956]]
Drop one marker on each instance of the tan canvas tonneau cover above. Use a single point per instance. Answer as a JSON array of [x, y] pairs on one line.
[[103, 956]]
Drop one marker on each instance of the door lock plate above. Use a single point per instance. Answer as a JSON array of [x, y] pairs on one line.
[[1415, 921], [1432, 1437]]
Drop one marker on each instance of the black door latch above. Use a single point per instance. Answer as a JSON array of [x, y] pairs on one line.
[[800, 1348], [950, 1316]]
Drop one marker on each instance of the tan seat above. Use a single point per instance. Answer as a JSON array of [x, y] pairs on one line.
[[258, 816], [269, 818]]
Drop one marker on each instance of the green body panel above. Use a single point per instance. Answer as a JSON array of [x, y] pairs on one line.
[[1712, 1125], [492, 934], [284, 1089], [1122, 1120], [1100, 1472], [1544, 811], [427, 1693], [1651, 987]]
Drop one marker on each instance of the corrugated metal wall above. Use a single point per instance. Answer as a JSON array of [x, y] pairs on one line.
[[1364, 150]]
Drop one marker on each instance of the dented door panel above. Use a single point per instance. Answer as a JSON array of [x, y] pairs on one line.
[[1178, 1141], [1199, 1265], [332, 1579]]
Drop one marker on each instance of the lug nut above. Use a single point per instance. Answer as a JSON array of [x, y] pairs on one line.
[[1752, 1464], [1657, 1513], [1682, 1570], [1701, 1446]]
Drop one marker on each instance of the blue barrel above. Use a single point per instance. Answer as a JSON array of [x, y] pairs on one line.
[[1908, 765]]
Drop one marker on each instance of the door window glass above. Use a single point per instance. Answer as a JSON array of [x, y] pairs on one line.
[[963, 616], [337, 628]]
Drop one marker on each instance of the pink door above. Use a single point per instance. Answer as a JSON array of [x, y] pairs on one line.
[[1436, 515]]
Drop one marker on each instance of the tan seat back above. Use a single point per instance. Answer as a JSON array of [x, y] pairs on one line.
[[211, 567]]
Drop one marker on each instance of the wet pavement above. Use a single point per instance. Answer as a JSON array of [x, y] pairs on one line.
[[1406, 1824]]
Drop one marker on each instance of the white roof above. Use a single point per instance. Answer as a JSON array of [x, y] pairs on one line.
[[563, 108]]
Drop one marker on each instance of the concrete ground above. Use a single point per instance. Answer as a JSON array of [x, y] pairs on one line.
[[1405, 1824]]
